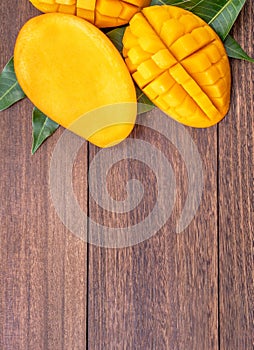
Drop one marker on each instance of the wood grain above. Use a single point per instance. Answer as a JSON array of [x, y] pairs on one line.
[[185, 291], [236, 199], [43, 266], [162, 293]]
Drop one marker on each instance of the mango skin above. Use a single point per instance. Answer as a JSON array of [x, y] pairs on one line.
[[180, 63], [101, 13], [69, 69]]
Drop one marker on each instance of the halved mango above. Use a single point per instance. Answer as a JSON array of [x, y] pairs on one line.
[[102, 13], [183, 67], [69, 69]]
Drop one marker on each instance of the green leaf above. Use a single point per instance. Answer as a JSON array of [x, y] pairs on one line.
[[219, 14], [43, 127], [223, 21], [144, 104], [234, 50], [116, 36], [10, 91]]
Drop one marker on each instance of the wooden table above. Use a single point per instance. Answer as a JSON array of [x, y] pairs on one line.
[[185, 291]]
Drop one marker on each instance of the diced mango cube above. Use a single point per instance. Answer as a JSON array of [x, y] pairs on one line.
[[208, 77], [212, 52], [190, 22], [151, 43], [86, 4], [114, 8], [164, 59], [137, 55], [50, 2], [128, 11], [181, 64], [202, 36], [140, 80], [132, 67], [197, 62], [187, 108], [66, 2], [140, 26], [104, 21], [179, 74], [162, 83], [171, 30], [161, 103], [175, 96], [87, 14], [137, 3], [149, 91], [149, 69], [70, 9], [174, 12], [216, 90], [129, 40], [157, 17]]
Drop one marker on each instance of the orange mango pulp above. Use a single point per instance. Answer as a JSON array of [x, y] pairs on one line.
[[102, 13], [180, 63]]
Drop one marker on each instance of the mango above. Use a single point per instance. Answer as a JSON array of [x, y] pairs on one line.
[[102, 13], [73, 73], [180, 63]]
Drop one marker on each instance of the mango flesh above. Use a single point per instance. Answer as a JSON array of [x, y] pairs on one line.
[[69, 69], [102, 13], [180, 63]]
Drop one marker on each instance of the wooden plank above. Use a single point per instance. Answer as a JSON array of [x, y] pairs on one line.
[[237, 199], [162, 293], [43, 266]]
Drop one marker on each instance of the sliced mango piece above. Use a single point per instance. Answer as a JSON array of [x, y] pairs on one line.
[[87, 14], [110, 8], [164, 59], [132, 67], [197, 62], [44, 7], [137, 55], [128, 11], [156, 18], [130, 40], [86, 4], [151, 43], [139, 26], [66, 2], [175, 96], [187, 74], [70, 9], [50, 2], [148, 69], [102, 13], [160, 85], [79, 80], [171, 30], [190, 22]]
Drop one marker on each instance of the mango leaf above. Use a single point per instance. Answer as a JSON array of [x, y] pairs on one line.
[[10, 91], [43, 127], [234, 50], [144, 104], [116, 36], [223, 21], [219, 14]]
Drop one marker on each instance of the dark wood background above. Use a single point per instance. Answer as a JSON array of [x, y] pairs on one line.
[[189, 291]]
